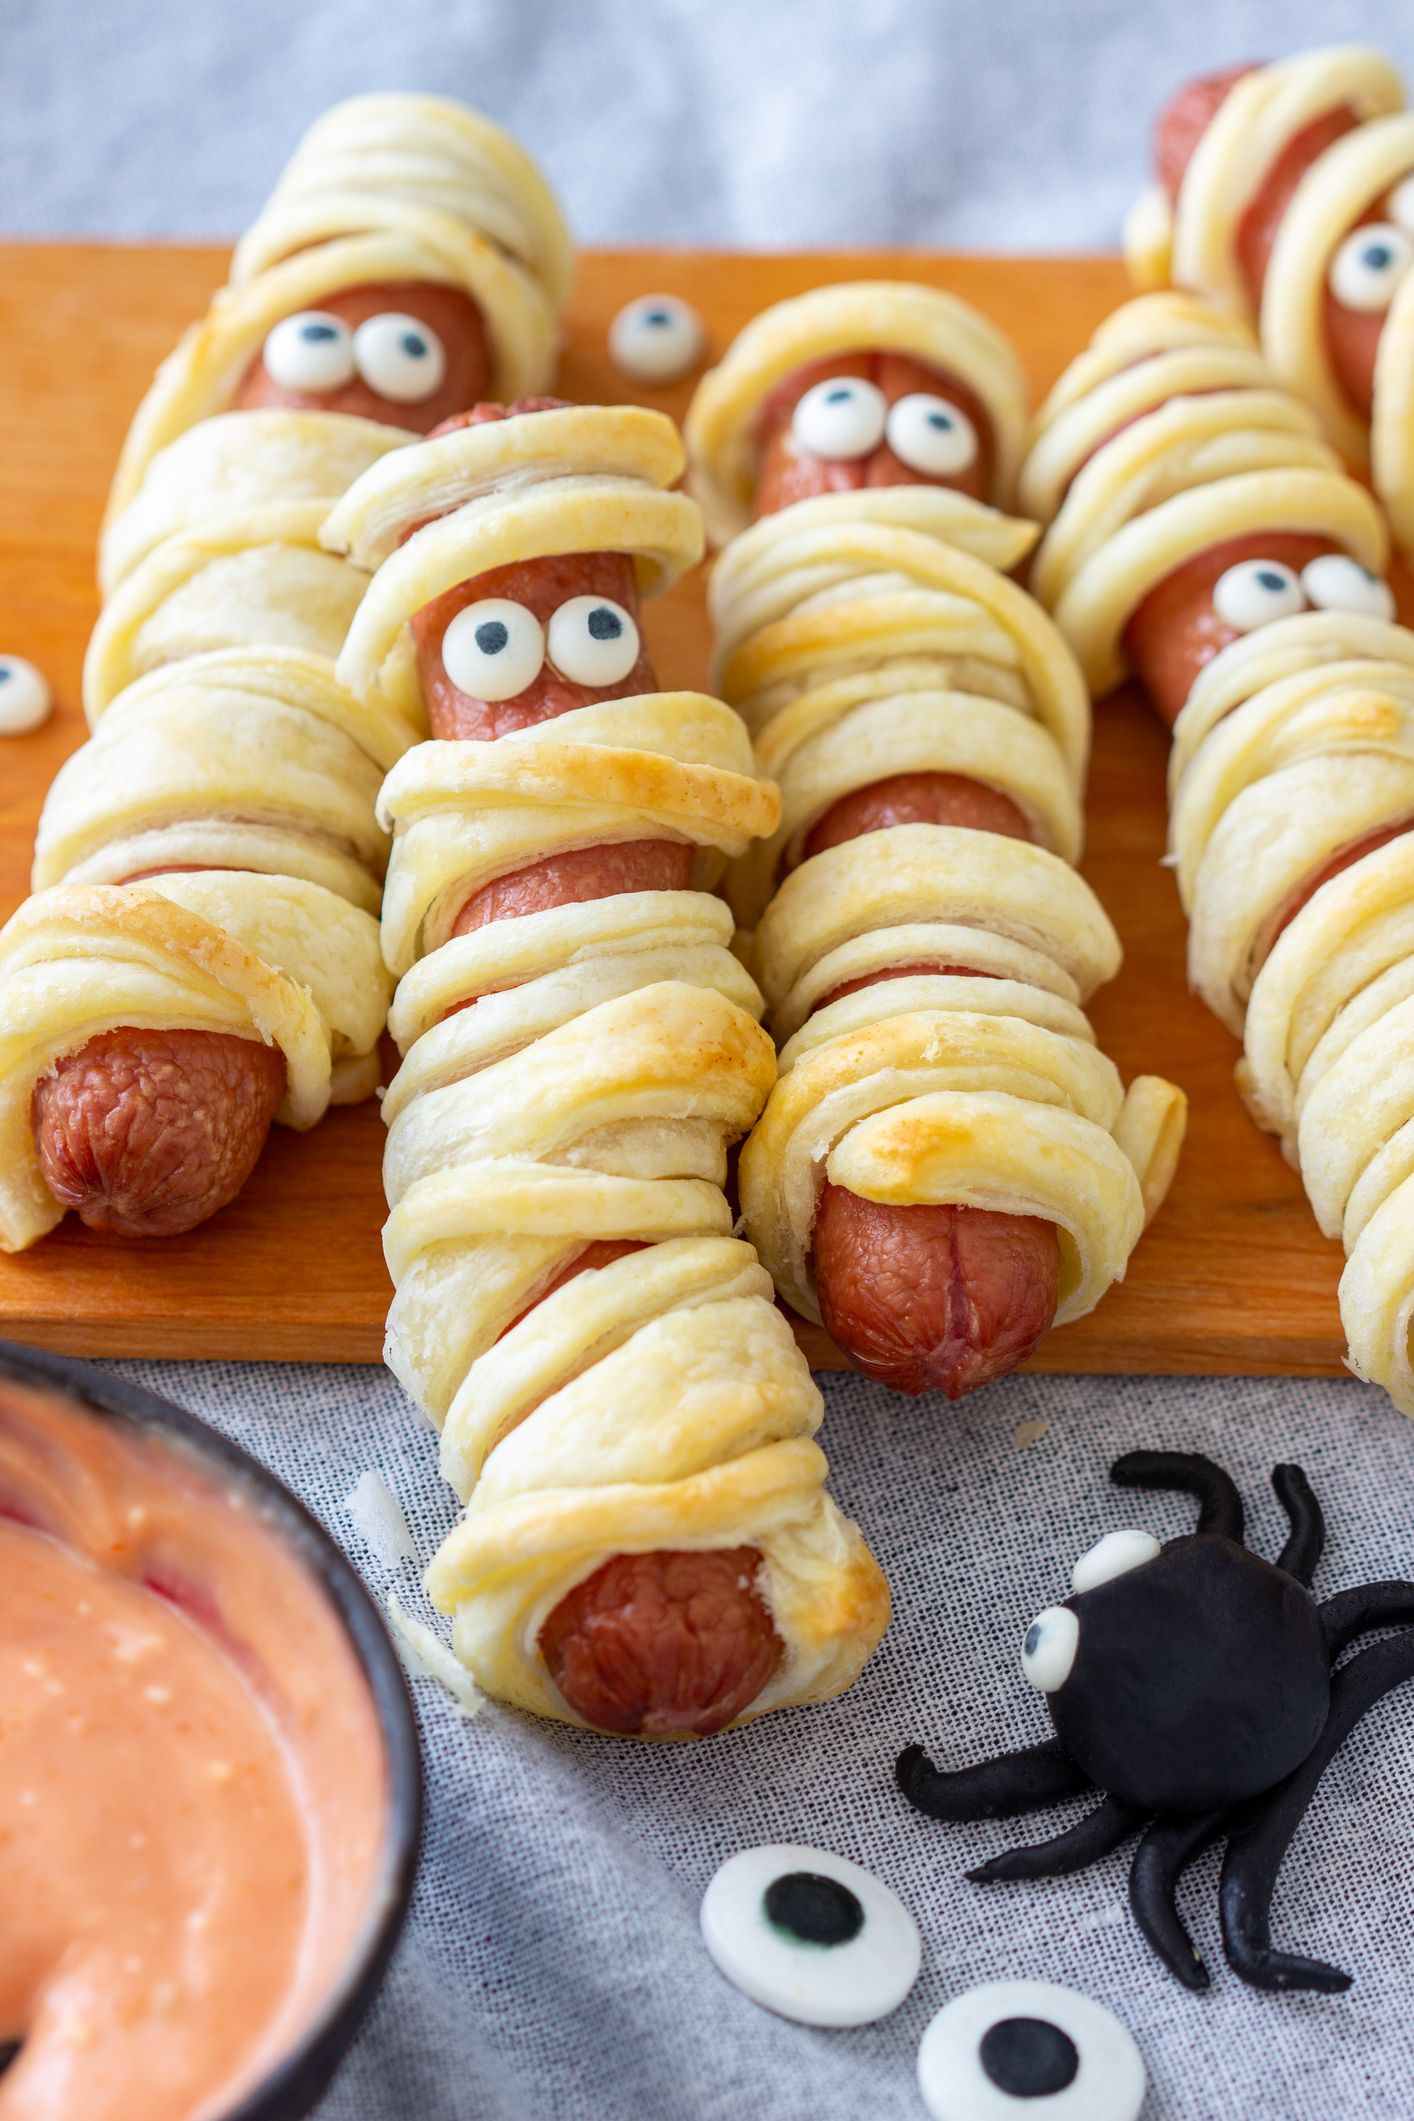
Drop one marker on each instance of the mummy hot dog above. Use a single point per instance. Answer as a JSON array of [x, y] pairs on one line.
[[647, 1546], [1207, 543], [1285, 194], [947, 1166]]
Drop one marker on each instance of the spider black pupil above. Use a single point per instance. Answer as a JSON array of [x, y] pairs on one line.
[[1269, 579], [812, 1909], [491, 636], [319, 331], [1028, 2058], [604, 625]]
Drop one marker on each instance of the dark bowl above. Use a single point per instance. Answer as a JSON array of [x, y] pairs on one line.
[[296, 2083]]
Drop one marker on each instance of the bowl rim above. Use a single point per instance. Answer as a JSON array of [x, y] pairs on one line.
[[299, 2078]]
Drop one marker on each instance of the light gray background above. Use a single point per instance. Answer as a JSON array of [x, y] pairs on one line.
[[553, 1968]]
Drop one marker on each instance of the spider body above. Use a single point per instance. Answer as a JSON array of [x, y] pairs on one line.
[[1195, 1687]]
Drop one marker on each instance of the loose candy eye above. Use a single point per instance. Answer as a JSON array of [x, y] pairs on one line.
[[1255, 592], [840, 418], [25, 697], [1369, 265], [810, 1935], [310, 351], [1048, 1652], [1114, 1555], [1016, 2049], [593, 641], [930, 435], [400, 357], [657, 338], [1335, 582], [493, 650]]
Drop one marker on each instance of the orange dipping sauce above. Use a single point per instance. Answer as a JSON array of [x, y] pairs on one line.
[[193, 1780]]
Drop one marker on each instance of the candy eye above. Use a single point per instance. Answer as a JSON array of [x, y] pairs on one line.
[[400, 357], [1401, 204], [1016, 2049], [493, 650], [593, 641], [1335, 582], [1114, 1555], [839, 418], [25, 697], [1369, 265], [810, 1935], [1048, 1652], [1255, 592], [657, 338], [310, 351], [930, 435]]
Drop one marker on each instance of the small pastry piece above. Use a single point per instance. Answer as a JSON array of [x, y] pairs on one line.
[[1013, 2049], [1190, 1686], [26, 701], [810, 1935]]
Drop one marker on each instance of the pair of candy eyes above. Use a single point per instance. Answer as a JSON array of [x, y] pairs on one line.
[[1372, 260], [396, 355], [1256, 592], [495, 648], [1048, 1652], [845, 417]]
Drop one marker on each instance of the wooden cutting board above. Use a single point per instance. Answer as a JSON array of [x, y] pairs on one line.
[[1233, 1276]]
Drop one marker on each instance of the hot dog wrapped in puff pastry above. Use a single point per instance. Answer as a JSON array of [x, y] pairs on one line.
[[1203, 540], [647, 1546], [947, 1166], [1285, 195]]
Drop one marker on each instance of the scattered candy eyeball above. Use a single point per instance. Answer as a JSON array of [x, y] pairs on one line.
[[1370, 264], [810, 1935], [310, 351], [26, 701], [1255, 592], [1029, 2051], [400, 357], [930, 435], [1048, 1650], [593, 641], [656, 339], [493, 649], [1335, 582], [1114, 1555], [1401, 204], [842, 417]]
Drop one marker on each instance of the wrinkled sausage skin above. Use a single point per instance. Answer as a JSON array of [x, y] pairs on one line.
[[917, 799], [454, 317], [784, 474], [666, 1642], [147, 1133]]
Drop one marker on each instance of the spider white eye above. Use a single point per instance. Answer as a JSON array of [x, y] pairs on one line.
[[310, 351], [1335, 582], [1255, 592], [493, 650], [25, 697], [400, 357], [1369, 265], [810, 1935], [656, 339], [1114, 1555], [840, 418], [593, 641], [1048, 1652], [1401, 205], [930, 435], [1029, 2051]]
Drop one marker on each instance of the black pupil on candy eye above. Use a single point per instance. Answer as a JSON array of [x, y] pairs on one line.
[[1028, 2058], [1379, 255], [5, 673], [604, 625], [814, 1910], [657, 316], [491, 636], [319, 331], [1033, 1639], [412, 344], [939, 419], [838, 397], [1270, 579]]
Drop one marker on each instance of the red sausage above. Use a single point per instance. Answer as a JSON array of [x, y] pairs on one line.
[[917, 799], [785, 475], [874, 979], [583, 873], [1342, 859], [454, 317]]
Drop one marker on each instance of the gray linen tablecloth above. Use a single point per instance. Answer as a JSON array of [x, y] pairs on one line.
[[552, 1967]]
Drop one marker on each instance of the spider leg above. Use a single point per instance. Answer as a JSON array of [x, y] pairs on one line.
[[1092, 1837], [1256, 1850], [1308, 1527], [1367, 1605], [1159, 1862], [1219, 1504], [994, 1789]]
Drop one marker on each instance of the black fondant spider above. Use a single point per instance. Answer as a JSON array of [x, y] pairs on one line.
[[1191, 1685]]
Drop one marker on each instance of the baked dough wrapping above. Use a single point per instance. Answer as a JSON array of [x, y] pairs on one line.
[[609, 1055]]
